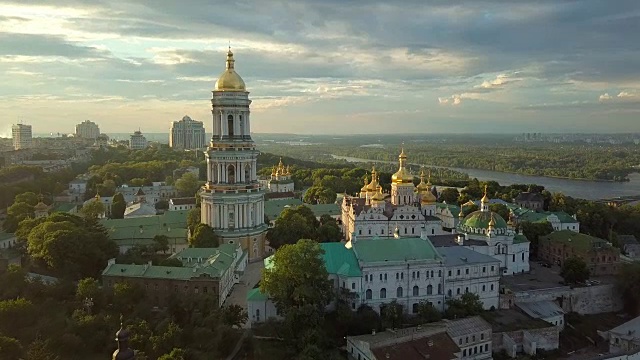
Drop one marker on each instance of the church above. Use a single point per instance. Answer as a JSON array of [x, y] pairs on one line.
[[411, 209], [232, 198]]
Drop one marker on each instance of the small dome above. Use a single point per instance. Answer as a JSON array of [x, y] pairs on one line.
[[364, 188], [229, 80], [402, 176], [373, 185], [41, 206], [482, 220], [378, 196]]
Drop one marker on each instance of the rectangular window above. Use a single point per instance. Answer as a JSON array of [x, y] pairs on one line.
[[380, 277], [402, 275], [458, 272], [481, 336], [397, 276], [492, 268], [353, 286], [449, 272], [514, 258], [522, 256], [205, 289], [418, 273], [484, 269], [385, 276], [466, 271]]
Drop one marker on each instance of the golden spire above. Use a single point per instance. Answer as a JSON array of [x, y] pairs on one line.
[[378, 196], [429, 179], [402, 176], [485, 198], [492, 222], [230, 60], [373, 185], [461, 213], [229, 80]]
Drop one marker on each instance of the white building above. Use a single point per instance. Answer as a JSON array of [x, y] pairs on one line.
[[137, 141], [153, 193], [408, 208], [22, 136], [624, 338], [87, 130], [187, 134], [407, 270], [232, 199], [179, 204], [468, 338], [140, 207], [488, 233], [449, 214], [548, 311], [280, 180]]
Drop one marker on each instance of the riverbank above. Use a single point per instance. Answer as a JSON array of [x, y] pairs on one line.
[[583, 189]]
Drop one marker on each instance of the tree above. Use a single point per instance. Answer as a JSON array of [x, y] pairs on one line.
[[27, 197], [193, 219], [89, 293], [10, 348], [574, 270], [468, 304], [118, 206], [161, 243], [466, 210], [204, 237], [175, 354], [293, 224], [234, 315], [427, 312], [71, 246], [319, 195], [20, 211], [188, 184], [329, 231], [628, 283], [392, 314], [501, 210], [450, 196], [298, 277], [93, 209], [533, 232], [162, 205], [41, 350]]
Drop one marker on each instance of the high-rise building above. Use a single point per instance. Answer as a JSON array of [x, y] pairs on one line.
[[87, 130], [187, 134], [232, 199], [137, 141], [22, 136]]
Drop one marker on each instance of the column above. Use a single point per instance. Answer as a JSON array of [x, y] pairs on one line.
[[236, 215], [248, 126]]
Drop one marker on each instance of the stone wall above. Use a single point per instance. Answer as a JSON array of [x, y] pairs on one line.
[[545, 338], [583, 300]]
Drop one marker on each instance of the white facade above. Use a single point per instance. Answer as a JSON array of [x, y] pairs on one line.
[[406, 210], [187, 134], [77, 189], [181, 204], [22, 136], [448, 214], [280, 180], [152, 194], [232, 200], [87, 130], [137, 141]]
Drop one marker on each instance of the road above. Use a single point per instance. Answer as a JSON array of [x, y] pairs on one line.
[[250, 278]]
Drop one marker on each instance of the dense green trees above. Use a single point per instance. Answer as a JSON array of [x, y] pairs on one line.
[[93, 209], [187, 185], [574, 270], [449, 195], [427, 312], [203, 237], [533, 232], [628, 283], [468, 304], [70, 245], [301, 223], [118, 206]]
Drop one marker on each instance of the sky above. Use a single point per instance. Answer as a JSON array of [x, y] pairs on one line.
[[325, 67]]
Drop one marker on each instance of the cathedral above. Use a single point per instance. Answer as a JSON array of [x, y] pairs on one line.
[[374, 214], [280, 181], [232, 199]]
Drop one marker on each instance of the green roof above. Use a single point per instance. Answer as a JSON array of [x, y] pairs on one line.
[[273, 208], [519, 239], [380, 250], [256, 295], [6, 236], [204, 253], [480, 220], [582, 242], [219, 258], [141, 230], [340, 260], [455, 209], [159, 272], [64, 207]]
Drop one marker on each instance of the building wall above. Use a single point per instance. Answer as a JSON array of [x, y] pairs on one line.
[[87, 130], [583, 300], [545, 338], [187, 134], [22, 136], [159, 290], [603, 261]]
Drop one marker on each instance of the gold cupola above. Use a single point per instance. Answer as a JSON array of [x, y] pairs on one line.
[[485, 198], [424, 190], [378, 197], [229, 80], [373, 185], [402, 176], [366, 182]]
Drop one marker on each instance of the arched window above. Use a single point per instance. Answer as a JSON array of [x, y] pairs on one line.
[[369, 294], [416, 290], [383, 293], [439, 289], [449, 293], [241, 124], [247, 173], [429, 289], [231, 174], [415, 307], [399, 291], [230, 124]]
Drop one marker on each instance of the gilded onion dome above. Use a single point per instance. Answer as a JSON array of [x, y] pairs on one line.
[[373, 185], [485, 198], [461, 213], [424, 190], [366, 182], [378, 196], [41, 206], [229, 80], [402, 176]]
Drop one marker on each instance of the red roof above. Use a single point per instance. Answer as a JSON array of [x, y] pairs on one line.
[[438, 346]]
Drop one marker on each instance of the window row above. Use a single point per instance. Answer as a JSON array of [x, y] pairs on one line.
[[466, 290], [400, 292], [467, 271]]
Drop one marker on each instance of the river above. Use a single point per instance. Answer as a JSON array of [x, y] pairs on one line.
[[584, 189]]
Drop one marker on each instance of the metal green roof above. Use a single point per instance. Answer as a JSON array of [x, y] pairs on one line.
[[325, 209], [256, 295], [340, 260], [454, 209], [381, 250], [219, 258], [519, 239], [141, 230], [159, 272], [582, 242], [480, 220]]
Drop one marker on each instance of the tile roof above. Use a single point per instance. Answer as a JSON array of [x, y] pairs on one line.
[[64, 207], [458, 255], [172, 224], [529, 196], [576, 240], [519, 239], [467, 326], [340, 260], [438, 346], [403, 249], [273, 208], [540, 309]]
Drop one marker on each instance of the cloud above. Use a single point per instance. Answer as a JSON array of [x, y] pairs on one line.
[[605, 97], [624, 94]]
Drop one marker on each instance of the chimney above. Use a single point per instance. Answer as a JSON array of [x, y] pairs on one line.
[[373, 332], [111, 261]]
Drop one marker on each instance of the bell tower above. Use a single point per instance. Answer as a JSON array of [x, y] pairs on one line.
[[232, 201]]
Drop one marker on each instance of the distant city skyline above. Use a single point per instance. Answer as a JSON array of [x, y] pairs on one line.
[[330, 67]]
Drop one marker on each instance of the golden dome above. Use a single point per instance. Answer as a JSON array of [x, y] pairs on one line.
[[373, 185], [422, 186], [492, 222], [229, 80], [378, 196], [402, 176], [461, 213], [366, 182], [485, 198]]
